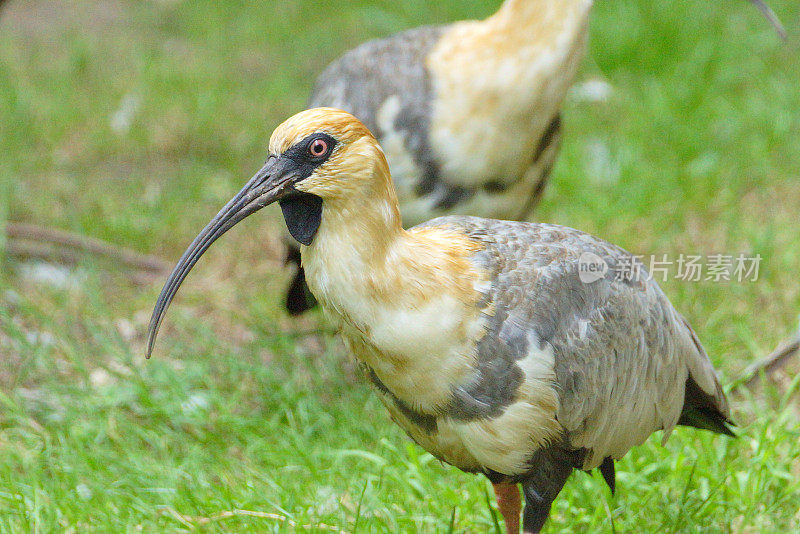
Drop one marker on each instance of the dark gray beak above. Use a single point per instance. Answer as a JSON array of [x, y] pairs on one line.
[[771, 17], [269, 184]]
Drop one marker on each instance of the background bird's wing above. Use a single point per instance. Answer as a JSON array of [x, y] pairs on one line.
[[386, 85], [623, 355]]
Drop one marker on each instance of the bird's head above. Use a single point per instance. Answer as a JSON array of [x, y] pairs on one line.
[[320, 159], [328, 153]]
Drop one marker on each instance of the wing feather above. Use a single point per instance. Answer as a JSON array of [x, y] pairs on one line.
[[622, 353]]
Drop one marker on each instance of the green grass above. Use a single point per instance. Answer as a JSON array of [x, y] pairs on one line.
[[243, 409]]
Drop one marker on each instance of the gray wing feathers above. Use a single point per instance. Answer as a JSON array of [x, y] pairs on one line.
[[365, 78], [622, 353], [702, 371]]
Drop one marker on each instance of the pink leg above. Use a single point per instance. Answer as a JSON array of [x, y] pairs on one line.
[[509, 504]]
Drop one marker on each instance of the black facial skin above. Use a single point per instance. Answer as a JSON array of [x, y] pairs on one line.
[[303, 211], [303, 215], [304, 161], [273, 183]]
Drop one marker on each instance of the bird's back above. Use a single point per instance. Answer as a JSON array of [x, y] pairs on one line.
[[467, 113], [385, 83], [626, 362], [369, 74]]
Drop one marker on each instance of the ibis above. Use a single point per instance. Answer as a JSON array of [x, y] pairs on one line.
[[481, 337], [468, 114]]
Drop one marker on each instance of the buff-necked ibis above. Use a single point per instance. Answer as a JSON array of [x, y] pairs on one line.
[[480, 336]]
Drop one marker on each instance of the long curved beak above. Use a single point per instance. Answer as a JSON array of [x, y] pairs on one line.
[[770, 16], [269, 184]]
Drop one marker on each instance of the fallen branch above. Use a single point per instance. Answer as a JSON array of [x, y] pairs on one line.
[[777, 359], [40, 251], [193, 521], [32, 241]]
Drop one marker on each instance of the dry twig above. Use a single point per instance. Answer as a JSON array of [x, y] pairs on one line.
[[32, 241], [777, 359]]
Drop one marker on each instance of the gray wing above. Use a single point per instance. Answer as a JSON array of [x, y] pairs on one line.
[[623, 355], [386, 85]]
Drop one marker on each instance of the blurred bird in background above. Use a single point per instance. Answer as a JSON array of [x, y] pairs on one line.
[[467, 113], [480, 336]]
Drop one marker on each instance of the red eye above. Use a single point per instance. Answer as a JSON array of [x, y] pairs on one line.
[[318, 148]]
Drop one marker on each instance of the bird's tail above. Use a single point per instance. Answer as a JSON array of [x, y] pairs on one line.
[[701, 410], [704, 403]]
